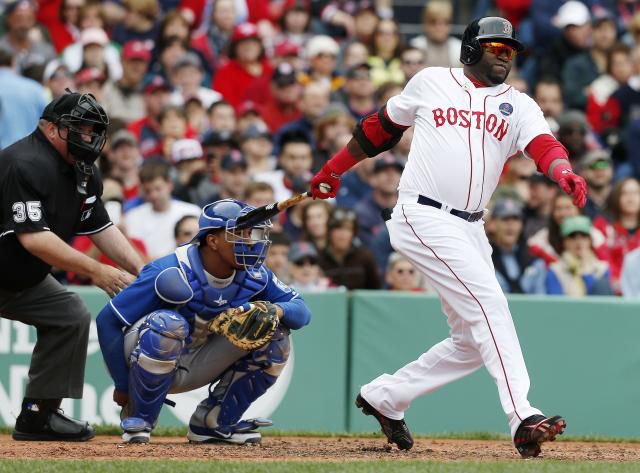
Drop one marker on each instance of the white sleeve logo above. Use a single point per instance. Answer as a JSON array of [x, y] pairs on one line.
[[31, 209], [281, 285]]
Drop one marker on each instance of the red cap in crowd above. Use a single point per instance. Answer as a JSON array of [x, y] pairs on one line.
[[155, 83], [287, 48], [89, 74], [244, 31], [136, 49], [248, 106]]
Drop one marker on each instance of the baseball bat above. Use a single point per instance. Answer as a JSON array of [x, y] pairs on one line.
[[265, 212]]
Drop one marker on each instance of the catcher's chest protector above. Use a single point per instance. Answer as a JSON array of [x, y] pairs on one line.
[[242, 289]]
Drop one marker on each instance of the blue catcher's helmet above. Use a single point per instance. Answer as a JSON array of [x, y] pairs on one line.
[[250, 245]]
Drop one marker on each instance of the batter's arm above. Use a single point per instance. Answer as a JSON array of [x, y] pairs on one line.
[[552, 160], [374, 134]]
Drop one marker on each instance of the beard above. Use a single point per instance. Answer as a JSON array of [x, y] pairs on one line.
[[497, 78], [489, 72], [497, 75], [21, 33]]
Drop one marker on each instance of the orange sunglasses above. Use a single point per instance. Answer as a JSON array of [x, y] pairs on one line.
[[498, 49]]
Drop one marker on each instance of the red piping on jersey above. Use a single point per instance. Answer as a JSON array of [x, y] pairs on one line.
[[468, 141], [484, 132], [504, 371], [478, 84]]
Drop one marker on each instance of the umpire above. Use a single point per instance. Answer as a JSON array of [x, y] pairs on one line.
[[50, 191]]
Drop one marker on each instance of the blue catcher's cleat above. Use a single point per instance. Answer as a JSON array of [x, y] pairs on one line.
[[136, 430], [241, 433]]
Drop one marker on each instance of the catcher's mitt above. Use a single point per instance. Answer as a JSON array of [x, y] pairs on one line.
[[248, 327]]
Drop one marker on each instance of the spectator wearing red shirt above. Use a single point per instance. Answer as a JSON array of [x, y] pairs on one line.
[[282, 105], [124, 99], [192, 10], [61, 18], [288, 52], [622, 234], [157, 93], [514, 10], [212, 37], [124, 160], [247, 69], [603, 112], [269, 10], [113, 197], [172, 126]]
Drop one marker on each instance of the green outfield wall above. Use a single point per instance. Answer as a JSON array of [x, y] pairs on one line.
[[583, 358]]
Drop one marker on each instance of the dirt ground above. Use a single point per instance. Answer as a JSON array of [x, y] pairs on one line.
[[312, 449]]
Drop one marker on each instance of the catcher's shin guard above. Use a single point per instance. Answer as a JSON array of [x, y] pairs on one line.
[[217, 418], [153, 365]]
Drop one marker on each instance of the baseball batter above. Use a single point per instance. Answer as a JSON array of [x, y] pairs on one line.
[[467, 123]]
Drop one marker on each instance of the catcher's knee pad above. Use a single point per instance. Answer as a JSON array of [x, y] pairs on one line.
[[244, 382], [154, 361]]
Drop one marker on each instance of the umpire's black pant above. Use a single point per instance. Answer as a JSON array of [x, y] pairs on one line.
[[62, 322]]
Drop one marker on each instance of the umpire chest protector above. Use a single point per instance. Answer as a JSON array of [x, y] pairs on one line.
[[244, 287], [491, 28]]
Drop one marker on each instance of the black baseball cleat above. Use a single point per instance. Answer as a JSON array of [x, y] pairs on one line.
[[43, 423], [534, 431], [396, 431]]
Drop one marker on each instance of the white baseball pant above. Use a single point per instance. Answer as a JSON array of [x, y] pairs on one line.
[[455, 257]]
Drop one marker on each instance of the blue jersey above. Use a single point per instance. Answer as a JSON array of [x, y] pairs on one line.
[[142, 297]]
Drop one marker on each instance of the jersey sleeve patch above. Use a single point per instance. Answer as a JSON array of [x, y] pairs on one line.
[[281, 285]]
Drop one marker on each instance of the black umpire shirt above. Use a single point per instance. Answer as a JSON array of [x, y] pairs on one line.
[[38, 193]]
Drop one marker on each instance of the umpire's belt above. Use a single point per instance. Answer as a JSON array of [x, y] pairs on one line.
[[468, 216]]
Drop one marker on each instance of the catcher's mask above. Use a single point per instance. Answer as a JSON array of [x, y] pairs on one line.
[[86, 123], [250, 245]]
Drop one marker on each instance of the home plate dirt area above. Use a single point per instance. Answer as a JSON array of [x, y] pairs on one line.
[[312, 448]]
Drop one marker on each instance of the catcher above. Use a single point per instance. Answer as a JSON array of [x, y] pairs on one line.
[[210, 312]]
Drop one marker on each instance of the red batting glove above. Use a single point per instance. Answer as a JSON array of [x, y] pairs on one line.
[[573, 185], [325, 176], [331, 172]]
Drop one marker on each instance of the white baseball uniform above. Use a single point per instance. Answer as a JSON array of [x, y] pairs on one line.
[[462, 139]]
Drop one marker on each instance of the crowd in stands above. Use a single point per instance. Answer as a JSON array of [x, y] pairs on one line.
[[246, 99]]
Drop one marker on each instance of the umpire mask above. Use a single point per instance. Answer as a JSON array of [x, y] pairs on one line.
[[86, 123]]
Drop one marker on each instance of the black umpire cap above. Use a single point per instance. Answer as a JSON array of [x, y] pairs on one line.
[[63, 105]]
